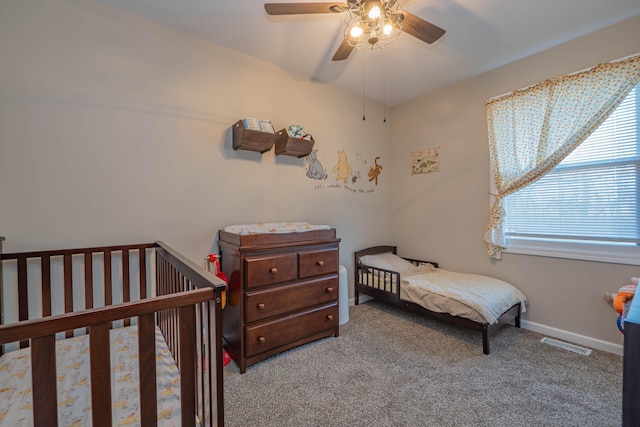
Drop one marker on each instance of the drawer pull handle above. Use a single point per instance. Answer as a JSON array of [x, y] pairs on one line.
[[262, 340], [330, 317], [329, 290], [261, 306], [320, 263], [273, 270]]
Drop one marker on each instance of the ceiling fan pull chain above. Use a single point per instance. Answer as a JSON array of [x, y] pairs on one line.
[[363, 110], [384, 88]]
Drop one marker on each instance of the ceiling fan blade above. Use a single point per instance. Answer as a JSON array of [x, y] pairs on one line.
[[343, 52], [419, 28], [303, 8]]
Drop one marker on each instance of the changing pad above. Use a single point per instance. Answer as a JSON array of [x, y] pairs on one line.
[[274, 228]]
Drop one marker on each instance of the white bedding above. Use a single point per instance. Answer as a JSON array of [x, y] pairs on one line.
[[74, 389], [487, 296], [479, 298]]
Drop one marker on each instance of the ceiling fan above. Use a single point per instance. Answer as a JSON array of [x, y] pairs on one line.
[[370, 23]]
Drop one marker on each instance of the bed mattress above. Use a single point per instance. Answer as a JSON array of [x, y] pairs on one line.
[[487, 296], [73, 382], [479, 298]]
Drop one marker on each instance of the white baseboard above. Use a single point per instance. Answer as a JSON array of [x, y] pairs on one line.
[[573, 337], [363, 299], [561, 334]]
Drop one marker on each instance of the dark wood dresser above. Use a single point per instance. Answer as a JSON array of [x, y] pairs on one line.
[[283, 291]]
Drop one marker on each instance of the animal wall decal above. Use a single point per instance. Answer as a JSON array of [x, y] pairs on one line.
[[374, 172], [343, 168], [347, 177], [315, 169]]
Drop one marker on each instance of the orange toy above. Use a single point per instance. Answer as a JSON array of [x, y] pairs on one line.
[[624, 295], [214, 260]]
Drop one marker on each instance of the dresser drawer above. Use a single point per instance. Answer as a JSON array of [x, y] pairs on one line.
[[315, 263], [263, 304], [270, 335], [269, 270]]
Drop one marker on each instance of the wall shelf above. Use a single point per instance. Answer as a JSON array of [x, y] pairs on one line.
[[252, 140], [297, 147]]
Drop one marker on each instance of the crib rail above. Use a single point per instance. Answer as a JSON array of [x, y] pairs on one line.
[[55, 271], [176, 273], [186, 307]]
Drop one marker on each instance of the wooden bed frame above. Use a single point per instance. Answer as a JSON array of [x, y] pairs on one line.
[[187, 300], [387, 296]]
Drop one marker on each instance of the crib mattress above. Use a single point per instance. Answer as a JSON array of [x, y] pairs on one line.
[[73, 382]]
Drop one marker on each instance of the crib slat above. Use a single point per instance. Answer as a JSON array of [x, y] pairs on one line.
[[143, 273], [108, 292], [68, 284], [68, 289], [43, 379], [187, 365], [88, 280], [175, 321], [147, 360], [23, 294], [126, 288], [172, 315], [201, 356], [46, 285], [23, 307], [100, 375], [216, 307]]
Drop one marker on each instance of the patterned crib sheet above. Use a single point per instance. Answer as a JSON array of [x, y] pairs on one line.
[[274, 228], [73, 382]]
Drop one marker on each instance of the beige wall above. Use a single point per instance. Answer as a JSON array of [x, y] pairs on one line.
[[115, 129], [442, 216]]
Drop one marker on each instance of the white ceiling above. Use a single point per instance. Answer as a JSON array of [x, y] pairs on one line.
[[481, 35]]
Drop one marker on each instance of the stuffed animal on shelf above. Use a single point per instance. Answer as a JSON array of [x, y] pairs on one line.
[[621, 300]]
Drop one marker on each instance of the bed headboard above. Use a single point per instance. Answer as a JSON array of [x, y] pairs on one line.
[[385, 249], [375, 250]]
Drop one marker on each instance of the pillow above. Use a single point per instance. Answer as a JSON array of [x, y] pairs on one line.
[[387, 261]]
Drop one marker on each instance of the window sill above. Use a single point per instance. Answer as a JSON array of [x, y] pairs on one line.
[[613, 255]]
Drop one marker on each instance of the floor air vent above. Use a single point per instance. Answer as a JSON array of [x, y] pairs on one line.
[[566, 346]]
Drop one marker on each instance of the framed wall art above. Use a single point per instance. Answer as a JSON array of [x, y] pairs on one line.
[[425, 161]]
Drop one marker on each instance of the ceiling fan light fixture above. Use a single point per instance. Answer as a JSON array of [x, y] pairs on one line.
[[355, 31], [374, 12], [379, 22], [372, 23]]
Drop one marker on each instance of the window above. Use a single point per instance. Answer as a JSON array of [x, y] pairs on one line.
[[587, 207]]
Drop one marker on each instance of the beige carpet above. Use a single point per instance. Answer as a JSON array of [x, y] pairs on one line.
[[391, 368]]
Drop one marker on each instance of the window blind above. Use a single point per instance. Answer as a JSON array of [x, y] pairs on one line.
[[593, 194]]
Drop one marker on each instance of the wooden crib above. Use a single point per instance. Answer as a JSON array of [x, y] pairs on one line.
[[95, 292]]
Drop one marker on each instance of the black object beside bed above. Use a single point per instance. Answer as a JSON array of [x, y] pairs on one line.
[[377, 282]]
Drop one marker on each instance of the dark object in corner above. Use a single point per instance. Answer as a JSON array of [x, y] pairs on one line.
[[631, 367]]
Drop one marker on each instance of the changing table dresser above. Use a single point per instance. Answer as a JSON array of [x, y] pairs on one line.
[[283, 290]]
